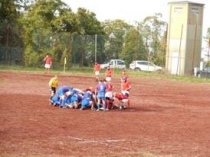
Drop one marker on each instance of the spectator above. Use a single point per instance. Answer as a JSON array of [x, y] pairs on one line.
[[48, 63]]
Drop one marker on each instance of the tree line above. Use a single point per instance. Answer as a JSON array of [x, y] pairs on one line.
[[37, 27]]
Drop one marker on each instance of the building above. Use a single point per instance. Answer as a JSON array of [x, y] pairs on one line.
[[184, 37]]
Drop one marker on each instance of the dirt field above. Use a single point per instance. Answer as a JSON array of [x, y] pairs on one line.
[[166, 118]]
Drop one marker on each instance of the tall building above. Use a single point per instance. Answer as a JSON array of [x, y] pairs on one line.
[[184, 37]]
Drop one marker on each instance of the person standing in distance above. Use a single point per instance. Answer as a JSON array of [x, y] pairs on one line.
[[125, 86], [48, 63], [96, 69], [108, 74], [124, 76]]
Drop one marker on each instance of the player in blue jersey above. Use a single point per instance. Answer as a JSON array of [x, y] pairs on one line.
[[87, 99], [55, 100], [75, 99], [63, 93], [100, 92]]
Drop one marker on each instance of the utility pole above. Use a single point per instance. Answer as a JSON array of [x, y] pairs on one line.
[[95, 47]]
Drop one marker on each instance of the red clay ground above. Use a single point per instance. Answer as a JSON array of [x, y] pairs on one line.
[[167, 118]]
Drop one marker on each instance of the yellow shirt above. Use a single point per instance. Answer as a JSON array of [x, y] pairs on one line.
[[53, 82]]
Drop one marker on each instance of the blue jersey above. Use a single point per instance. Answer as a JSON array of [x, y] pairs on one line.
[[101, 89], [63, 89], [87, 95], [68, 100], [76, 98], [62, 94], [87, 99], [55, 100], [85, 103], [76, 91]]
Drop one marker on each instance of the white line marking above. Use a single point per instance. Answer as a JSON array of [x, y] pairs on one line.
[[120, 140], [95, 141]]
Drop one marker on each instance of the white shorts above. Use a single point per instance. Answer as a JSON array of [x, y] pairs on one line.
[[47, 66], [108, 79], [125, 92], [62, 97], [96, 73], [109, 94], [124, 100]]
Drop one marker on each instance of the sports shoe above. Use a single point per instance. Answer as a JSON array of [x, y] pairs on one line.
[[101, 108]]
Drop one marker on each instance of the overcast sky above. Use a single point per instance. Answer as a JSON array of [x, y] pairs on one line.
[[132, 10]]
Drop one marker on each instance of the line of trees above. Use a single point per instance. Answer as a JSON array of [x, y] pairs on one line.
[[38, 27]]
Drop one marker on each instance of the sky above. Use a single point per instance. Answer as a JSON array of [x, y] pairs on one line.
[[133, 10]]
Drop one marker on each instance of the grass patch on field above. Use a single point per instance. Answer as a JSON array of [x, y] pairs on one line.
[[117, 73]]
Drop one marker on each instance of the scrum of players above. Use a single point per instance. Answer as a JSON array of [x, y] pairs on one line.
[[99, 98]]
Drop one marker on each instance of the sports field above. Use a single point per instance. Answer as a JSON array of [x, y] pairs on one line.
[[167, 118]]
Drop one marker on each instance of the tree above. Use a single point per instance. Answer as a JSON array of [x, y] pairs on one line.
[[207, 37], [134, 48], [43, 25], [9, 29], [115, 33], [207, 47], [153, 33], [89, 27]]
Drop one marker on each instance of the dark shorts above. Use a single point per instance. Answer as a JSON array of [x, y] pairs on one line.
[[53, 89]]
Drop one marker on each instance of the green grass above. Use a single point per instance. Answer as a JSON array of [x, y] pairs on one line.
[[162, 75], [89, 72]]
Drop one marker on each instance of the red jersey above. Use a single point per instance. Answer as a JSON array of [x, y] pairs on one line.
[[109, 72], [109, 87], [97, 67], [120, 96], [48, 60], [125, 86]]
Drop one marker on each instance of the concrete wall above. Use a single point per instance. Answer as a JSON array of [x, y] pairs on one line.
[[184, 37]]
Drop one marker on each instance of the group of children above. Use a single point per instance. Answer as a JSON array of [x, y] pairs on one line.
[[96, 98]]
